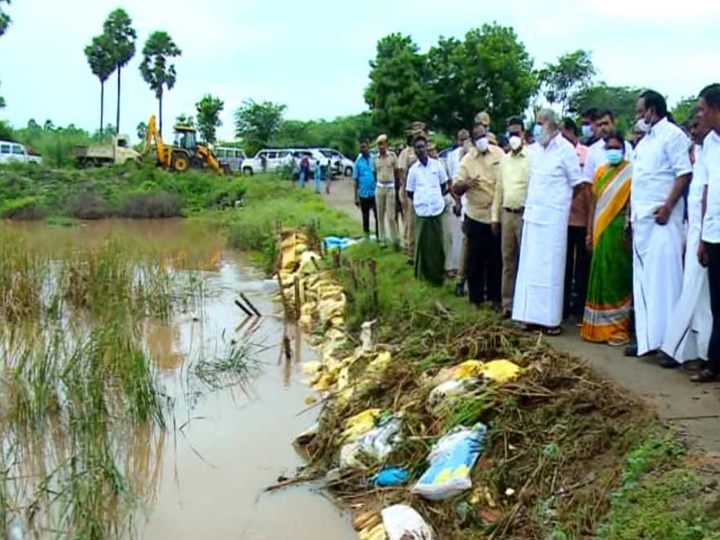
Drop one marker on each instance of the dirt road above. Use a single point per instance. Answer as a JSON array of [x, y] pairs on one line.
[[692, 408]]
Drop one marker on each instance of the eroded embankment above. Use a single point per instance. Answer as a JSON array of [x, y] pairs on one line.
[[485, 432]]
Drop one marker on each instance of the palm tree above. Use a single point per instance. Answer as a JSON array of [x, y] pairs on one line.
[[122, 37], [155, 69], [4, 18], [100, 58]]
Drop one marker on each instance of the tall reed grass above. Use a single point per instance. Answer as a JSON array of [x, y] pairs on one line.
[[82, 411]]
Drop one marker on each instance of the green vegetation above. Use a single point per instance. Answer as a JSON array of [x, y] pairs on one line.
[[37, 192], [83, 412], [582, 456]]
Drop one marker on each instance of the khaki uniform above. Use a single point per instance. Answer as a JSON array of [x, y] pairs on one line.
[[385, 167], [405, 160]]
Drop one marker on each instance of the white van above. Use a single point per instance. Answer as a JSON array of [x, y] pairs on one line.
[[232, 156], [11, 151]]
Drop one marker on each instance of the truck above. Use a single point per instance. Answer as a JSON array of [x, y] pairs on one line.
[[118, 152]]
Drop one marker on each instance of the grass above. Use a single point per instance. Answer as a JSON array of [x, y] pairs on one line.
[[34, 192], [584, 457], [83, 412]]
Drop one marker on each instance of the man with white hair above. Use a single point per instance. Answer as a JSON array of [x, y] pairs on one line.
[[555, 174]]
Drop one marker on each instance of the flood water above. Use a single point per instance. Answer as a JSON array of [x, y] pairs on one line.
[[223, 447]]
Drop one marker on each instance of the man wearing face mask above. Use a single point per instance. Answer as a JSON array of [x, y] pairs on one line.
[[577, 262], [477, 179], [555, 175], [508, 206], [661, 170], [688, 337], [588, 119]]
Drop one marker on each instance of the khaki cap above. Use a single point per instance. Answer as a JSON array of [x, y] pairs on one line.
[[482, 118], [417, 126], [381, 139]]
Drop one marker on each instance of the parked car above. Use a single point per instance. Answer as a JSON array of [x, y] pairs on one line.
[[267, 160], [232, 156], [11, 151], [340, 163]]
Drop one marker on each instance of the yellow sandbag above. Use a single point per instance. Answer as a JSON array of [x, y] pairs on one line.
[[311, 368], [380, 364], [467, 370], [501, 371], [361, 423]]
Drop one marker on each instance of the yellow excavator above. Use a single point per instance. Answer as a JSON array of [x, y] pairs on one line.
[[184, 153]]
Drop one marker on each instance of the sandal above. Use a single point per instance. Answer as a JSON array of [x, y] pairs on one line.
[[705, 376], [553, 331], [618, 341]]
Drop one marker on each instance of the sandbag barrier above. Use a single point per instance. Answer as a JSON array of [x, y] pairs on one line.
[[404, 444]]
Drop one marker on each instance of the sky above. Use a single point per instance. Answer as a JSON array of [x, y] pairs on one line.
[[313, 55]]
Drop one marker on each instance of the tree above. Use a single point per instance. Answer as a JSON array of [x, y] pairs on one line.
[[446, 66], [398, 92], [621, 100], [497, 75], [208, 117], [141, 131], [683, 108], [257, 123], [185, 120], [341, 133], [122, 37], [5, 19], [571, 73], [100, 58], [156, 69], [4, 25]]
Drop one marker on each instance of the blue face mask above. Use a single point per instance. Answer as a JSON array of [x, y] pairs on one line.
[[586, 130], [614, 156], [537, 131]]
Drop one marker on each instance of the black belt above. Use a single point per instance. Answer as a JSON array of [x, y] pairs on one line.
[[515, 210]]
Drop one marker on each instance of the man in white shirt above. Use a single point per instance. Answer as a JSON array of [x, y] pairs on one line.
[[688, 337], [554, 175], [709, 249], [596, 156], [426, 187], [661, 170]]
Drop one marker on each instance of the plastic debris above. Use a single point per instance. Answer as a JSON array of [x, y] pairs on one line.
[[451, 460], [392, 476], [402, 522]]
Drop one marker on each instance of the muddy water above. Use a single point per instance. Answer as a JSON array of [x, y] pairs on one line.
[[227, 445]]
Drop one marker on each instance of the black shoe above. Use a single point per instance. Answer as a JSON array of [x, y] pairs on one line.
[[507, 314], [631, 350], [667, 362]]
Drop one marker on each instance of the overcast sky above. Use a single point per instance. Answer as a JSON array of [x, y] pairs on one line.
[[313, 55]]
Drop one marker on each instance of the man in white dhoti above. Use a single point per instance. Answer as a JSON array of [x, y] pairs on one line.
[[709, 249], [554, 175], [453, 216], [687, 338], [661, 170]]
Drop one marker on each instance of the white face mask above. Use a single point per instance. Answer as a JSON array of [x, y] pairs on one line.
[[545, 137], [482, 144], [515, 142], [642, 125]]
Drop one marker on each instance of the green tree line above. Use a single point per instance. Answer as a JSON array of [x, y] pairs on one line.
[[488, 69]]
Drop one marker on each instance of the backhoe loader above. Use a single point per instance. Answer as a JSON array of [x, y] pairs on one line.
[[185, 153]]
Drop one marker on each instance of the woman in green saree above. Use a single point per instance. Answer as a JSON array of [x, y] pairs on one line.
[[609, 297]]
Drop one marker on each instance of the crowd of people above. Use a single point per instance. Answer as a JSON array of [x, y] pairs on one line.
[[558, 223]]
